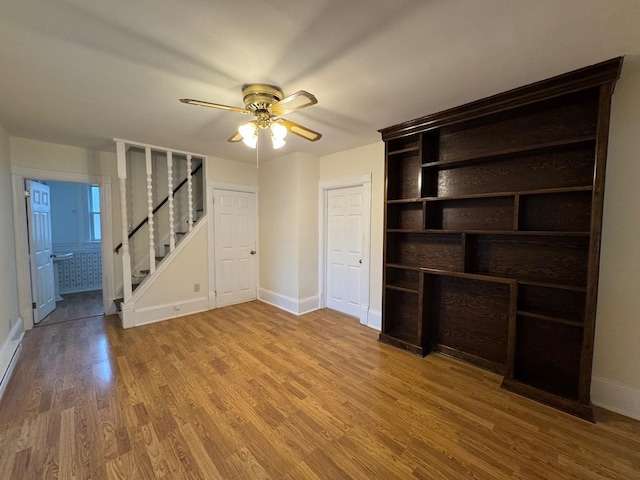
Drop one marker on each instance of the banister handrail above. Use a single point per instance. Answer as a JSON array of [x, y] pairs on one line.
[[159, 206]]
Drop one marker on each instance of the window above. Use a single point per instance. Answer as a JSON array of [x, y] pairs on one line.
[[95, 232]]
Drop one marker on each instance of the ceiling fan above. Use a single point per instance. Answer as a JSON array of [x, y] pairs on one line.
[[268, 104]]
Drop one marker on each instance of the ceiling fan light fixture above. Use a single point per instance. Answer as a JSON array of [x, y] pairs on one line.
[[277, 142], [278, 131], [251, 141], [248, 130]]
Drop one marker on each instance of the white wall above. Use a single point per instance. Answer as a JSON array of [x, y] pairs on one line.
[[350, 163], [222, 170], [616, 367], [8, 279], [307, 213], [187, 273], [288, 217], [278, 226]]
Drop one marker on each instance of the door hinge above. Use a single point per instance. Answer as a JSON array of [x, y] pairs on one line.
[[215, 293], [27, 193], [33, 305]]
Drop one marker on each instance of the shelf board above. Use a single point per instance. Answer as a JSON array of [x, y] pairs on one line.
[[470, 276], [400, 288], [540, 233], [406, 230], [549, 318], [512, 151], [403, 267], [405, 200], [586, 188], [561, 286], [498, 279], [415, 148]]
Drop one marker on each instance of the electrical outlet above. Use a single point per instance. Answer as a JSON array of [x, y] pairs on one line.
[[196, 287], [178, 307]]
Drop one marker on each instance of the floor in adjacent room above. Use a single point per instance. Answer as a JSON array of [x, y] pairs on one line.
[[75, 306], [250, 391]]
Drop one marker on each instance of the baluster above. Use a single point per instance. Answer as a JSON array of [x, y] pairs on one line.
[[152, 246], [121, 154], [189, 194], [172, 233]]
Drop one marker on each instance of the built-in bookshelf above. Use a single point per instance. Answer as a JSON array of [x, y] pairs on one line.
[[492, 233]]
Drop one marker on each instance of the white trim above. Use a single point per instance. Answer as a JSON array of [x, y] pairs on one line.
[[234, 187], [9, 354], [135, 317], [289, 304], [345, 182], [374, 319], [324, 186], [157, 148], [616, 397], [19, 175]]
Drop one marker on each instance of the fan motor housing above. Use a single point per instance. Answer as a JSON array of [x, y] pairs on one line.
[[259, 96]]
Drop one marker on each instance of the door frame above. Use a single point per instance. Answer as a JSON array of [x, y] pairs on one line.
[[324, 187], [25, 294], [232, 187]]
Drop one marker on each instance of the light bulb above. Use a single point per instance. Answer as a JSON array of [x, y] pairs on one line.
[[247, 130], [278, 131], [277, 142], [251, 141]]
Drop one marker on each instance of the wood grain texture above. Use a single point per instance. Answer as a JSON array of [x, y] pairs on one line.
[[250, 391], [558, 167], [555, 119]]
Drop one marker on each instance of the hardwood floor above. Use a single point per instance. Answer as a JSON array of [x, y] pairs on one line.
[[250, 391], [75, 306]]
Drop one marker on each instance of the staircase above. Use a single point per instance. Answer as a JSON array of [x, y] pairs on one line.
[[163, 190]]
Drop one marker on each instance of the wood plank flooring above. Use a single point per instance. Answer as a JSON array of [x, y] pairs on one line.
[[250, 391]]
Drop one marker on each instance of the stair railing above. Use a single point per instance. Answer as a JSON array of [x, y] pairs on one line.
[[163, 202], [121, 152]]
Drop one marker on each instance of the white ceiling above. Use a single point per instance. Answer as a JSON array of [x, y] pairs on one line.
[[81, 72]]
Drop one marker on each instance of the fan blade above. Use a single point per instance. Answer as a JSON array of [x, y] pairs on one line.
[[215, 105], [236, 137], [301, 131], [292, 103]]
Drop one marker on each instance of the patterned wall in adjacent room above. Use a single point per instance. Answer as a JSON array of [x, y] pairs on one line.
[[81, 273]]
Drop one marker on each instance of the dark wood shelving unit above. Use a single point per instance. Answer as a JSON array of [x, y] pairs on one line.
[[492, 233]]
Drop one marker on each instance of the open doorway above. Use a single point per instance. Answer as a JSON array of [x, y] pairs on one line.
[[76, 251], [25, 288]]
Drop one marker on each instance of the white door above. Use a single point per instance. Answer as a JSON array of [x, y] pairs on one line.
[[40, 250], [235, 246], [345, 239]]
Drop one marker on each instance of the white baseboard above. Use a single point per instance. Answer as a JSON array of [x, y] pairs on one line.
[[616, 397], [374, 319], [135, 317], [291, 305], [9, 353]]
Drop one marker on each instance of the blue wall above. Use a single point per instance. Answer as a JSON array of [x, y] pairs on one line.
[[70, 233]]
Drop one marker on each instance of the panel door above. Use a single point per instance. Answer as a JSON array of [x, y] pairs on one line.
[[345, 239], [235, 246], [41, 250]]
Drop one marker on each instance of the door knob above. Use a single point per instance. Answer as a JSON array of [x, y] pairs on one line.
[[360, 261], [252, 252]]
